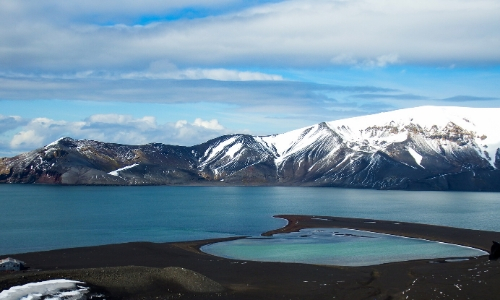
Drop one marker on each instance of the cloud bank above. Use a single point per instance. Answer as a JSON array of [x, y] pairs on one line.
[[368, 33], [242, 93], [114, 128], [305, 61]]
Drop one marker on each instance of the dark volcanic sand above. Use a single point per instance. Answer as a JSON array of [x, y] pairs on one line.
[[105, 268]]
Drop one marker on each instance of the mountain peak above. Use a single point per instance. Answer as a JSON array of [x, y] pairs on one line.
[[428, 147]]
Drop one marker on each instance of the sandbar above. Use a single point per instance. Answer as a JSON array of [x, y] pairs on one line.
[[137, 270]]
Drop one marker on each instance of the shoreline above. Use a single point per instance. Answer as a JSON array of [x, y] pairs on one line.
[[137, 270], [479, 239]]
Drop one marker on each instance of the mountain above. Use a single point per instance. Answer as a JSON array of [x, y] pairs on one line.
[[423, 148]]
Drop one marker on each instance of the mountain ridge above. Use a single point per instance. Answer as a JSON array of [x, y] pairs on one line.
[[422, 148]]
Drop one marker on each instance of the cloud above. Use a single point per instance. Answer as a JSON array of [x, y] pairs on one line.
[[247, 55], [115, 128], [241, 93], [36, 131], [156, 71], [463, 98], [199, 130], [212, 124], [113, 11], [11, 122], [382, 61], [26, 139], [389, 96], [366, 32], [107, 121], [378, 62], [197, 74], [344, 59]]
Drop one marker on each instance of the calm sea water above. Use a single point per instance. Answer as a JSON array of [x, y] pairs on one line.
[[35, 217]]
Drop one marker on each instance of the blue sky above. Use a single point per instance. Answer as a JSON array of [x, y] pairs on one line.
[[182, 72]]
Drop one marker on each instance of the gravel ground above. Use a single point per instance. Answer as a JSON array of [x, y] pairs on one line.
[[128, 282]]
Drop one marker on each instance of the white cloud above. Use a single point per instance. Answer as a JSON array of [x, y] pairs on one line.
[[116, 128], [144, 123], [26, 139], [198, 73], [212, 124], [200, 130], [41, 130], [225, 75], [154, 72], [293, 33], [180, 123]]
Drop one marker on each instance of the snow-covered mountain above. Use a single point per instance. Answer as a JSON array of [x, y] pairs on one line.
[[424, 148]]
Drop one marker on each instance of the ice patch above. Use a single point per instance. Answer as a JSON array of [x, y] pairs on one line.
[[50, 289], [115, 172]]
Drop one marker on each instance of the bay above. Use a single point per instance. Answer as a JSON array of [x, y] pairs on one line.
[[44, 217]]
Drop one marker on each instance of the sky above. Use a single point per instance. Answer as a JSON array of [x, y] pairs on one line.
[[183, 72]]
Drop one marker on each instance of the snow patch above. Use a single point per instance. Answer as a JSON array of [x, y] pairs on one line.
[[231, 152], [293, 142], [212, 152], [417, 157], [54, 143], [115, 172], [50, 289]]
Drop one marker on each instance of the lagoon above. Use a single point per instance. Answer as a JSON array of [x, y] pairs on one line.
[[44, 217], [337, 246]]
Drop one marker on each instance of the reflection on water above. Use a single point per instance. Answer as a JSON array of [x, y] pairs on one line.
[[333, 246]]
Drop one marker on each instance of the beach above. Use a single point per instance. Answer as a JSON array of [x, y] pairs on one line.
[[144, 270]]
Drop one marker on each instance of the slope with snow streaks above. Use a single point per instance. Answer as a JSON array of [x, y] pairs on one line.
[[299, 141], [70, 161], [459, 124], [232, 158], [424, 148]]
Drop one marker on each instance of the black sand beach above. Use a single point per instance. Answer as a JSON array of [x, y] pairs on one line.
[[145, 270]]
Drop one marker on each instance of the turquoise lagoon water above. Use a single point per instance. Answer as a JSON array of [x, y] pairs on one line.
[[341, 247], [38, 217]]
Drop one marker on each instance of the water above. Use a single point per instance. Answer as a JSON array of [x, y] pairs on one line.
[[37, 217], [341, 247]]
